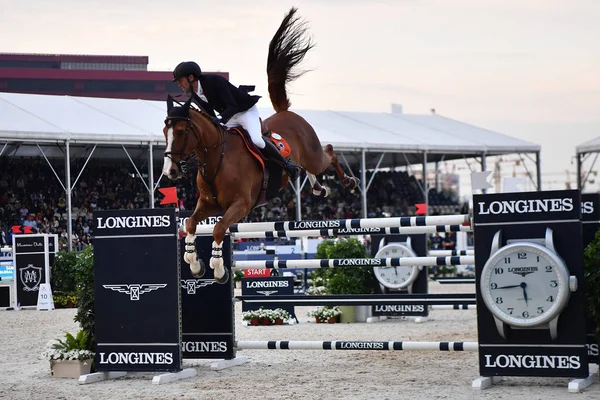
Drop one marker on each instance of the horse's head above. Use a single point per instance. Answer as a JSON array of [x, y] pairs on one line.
[[181, 139]]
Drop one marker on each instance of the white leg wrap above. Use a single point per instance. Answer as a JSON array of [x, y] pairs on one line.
[[216, 261], [190, 256]]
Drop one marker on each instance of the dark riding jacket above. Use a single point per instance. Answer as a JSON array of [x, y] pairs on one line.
[[223, 97]]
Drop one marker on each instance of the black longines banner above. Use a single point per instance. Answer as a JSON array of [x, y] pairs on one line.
[[4, 296], [206, 306], [137, 296], [530, 284], [590, 218], [268, 286], [31, 267], [419, 245]]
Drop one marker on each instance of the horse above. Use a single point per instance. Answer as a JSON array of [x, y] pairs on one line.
[[230, 178]]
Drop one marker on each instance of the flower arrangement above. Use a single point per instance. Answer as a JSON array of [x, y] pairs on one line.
[[266, 317], [317, 285], [71, 348], [325, 314], [316, 290]]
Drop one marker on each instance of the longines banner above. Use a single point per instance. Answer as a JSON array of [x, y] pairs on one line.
[[268, 286], [137, 297], [32, 259], [206, 307], [531, 305], [590, 219]]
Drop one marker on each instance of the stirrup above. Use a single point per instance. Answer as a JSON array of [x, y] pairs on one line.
[[293, 171]]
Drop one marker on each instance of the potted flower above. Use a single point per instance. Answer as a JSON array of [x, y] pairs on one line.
[[251, 317], [325, 314], [266, 317], [69, 358], [281, 316]]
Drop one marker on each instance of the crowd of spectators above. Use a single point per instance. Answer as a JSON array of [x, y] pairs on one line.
[[31, 195]]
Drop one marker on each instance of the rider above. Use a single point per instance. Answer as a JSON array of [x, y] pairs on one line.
[[235, 106]]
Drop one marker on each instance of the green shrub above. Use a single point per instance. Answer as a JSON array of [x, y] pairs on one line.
[[343, 280], [62, 278], [591, 262], [84, 275]]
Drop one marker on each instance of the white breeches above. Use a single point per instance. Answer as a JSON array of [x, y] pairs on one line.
[[249, 120]]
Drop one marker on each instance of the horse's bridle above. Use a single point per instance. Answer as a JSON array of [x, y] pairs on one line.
[[182, 162]]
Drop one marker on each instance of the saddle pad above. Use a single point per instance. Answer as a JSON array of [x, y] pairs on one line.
[[250, 146], [281, 144]]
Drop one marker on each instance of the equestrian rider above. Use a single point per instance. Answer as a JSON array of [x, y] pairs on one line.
[[235, 106]]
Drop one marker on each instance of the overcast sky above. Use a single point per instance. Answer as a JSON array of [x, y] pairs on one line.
[[527, 68]]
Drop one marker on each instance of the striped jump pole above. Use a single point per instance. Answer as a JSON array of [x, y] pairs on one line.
[[361, 299], [442, 253], [342, 223], [454, 281], [355, 345], [454, 307], [354, 262], [408, 230]]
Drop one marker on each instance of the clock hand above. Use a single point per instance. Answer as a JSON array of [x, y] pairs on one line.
[[508, 287], [524, 285]]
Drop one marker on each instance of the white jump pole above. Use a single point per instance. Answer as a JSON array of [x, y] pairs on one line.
[[410, 230], [354, 262], [355, 345], [342, 224], [442, 253]]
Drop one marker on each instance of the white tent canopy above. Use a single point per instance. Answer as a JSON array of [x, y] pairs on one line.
[[591, 146], [583, 151], [43, 118]]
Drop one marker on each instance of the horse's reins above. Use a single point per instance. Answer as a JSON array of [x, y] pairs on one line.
[[182, 162]]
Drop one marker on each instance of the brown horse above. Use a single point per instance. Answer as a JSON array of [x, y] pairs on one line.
[[229, 178]]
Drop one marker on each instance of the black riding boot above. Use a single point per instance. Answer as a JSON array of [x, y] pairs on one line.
[[272, 153]]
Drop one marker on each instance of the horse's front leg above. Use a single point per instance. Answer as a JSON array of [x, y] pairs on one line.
[[234, 213], [202, 211]]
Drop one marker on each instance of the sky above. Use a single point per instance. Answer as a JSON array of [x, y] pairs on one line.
[[525, 68]]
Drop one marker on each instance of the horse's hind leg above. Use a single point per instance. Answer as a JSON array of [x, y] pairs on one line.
[[349, 182], [317, 189]]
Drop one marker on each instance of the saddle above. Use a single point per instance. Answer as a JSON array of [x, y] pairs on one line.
[[272, 172]]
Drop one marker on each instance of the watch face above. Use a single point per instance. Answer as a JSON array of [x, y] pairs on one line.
[[525, 284], [395, 277]]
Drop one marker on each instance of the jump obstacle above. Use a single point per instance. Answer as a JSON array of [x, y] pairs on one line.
[[220, 343]]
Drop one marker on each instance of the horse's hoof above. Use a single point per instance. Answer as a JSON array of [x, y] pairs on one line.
[[223, 280], [201, 272]]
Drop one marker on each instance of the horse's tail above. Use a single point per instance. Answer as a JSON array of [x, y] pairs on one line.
[[286, 50]]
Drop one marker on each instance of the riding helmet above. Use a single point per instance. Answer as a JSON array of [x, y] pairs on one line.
[[186, 68]]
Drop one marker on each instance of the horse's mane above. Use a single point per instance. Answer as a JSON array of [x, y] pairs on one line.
[[287, 49]]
